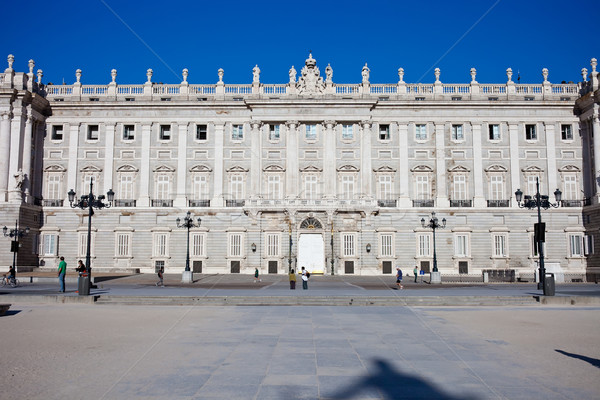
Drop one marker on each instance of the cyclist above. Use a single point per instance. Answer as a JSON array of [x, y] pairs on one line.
[[10, 275]]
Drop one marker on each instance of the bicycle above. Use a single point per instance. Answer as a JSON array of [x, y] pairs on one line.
[[14, 282]]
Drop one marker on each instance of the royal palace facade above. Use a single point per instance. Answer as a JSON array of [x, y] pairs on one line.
[[333, 177]]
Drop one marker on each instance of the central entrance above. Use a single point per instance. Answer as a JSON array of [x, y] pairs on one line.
[[311, 253]]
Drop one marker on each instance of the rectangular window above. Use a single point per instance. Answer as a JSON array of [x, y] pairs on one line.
[[576, 245], [53, 185], [347, 132], [570, 192], [385, 187], [165, 132], [273, 187], [126, 187], [424, 245], [461, 246], [460, 187], [161, 245], [235, 245], [123, 245], [500, 246], [532, 185], [347, 187], [311, 132], [496, 187], [494, 131], [272, 245], [50, 244], [530, 132], [237, 187], [348, 245], [87, 182], [457, 132], [588, 245], [420, 132], [162, 187], [566, 132], [197, 244], [384, 132], [237, 132], [92, 132], [201, 132], [422, 187], [57, 132], [386, 247], [310, 187], [274, 132], [200, 187], [82, 248], [128, 132]]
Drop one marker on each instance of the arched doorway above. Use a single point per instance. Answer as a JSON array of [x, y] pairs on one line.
[[311, 246]]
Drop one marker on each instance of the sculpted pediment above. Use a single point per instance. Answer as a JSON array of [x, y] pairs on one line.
[[311, 168], [422, 168], [200, 168], [55, 168], [496, 168], [348, 168], [569, 168], [533, 169], [384, 169], [163, 168], [237, 168], [458, 169], [127, 168], [90, 169], [274, 168]]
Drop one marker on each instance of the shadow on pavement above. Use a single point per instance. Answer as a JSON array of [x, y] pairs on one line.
[[594, 361], [392, 384]]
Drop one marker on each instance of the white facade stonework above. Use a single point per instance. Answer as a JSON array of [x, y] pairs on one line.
[[343, 172]]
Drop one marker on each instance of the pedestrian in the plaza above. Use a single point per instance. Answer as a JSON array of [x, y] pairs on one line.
[[256, 277], [62, 270], [160, 274], [399, 278], [292, 280], [416, 272], [305, 275], [80, 267]]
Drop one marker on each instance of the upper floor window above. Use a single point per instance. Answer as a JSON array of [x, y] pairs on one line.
[[576, 245], [163, 184], [385, 187], [566, 132], [311, 132], [347, 132], [126, 187], [128, 132], [570, 187], [532, 185], [237, 132], [237, 187], [57, 132], [494, 131], [200, 187], [201, 132], [53, 183], [422, 187], [530, 132], [165, 132], [384, 132], [459, 187], [92, 132], [274, 132], [457, 132], [497, 187], [420, 132], [273, 187], [310, 187], [347, 187]]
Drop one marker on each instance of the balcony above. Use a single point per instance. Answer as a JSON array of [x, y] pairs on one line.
[[423, 203], [571, 203], [199, 203], [124, 203], [52, 203], [162, 203], [498, 203], [235, 203], [386, 203], [461, 203]]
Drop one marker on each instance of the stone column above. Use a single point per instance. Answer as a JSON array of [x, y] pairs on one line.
[[440, 167], [73, 132], [291, 171], [217, 200], [479, 198], [596, 134], [27, 156], [329, 159], [4, 154], [109, 157], [551, 158], [366, 169], [144, 183], [515, 173], [255, 159], [404, 173], [181, 195], [14, 162]]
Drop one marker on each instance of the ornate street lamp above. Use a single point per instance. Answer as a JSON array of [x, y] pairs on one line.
[[433, 225], [14, 244], [332, 257], [188, 222], [90, 202], [539, 202], [290, 254]]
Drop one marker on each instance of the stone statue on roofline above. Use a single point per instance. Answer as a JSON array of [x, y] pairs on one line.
[[310, 81], [292, 75], [365, 74], [256, 74]]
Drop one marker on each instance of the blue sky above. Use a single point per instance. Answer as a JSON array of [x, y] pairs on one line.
[[203, 36]]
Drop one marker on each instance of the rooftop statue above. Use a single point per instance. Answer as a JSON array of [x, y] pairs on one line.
[[310, 81]]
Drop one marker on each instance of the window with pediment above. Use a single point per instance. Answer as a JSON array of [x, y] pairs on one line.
[[126, 176], [90, 174]]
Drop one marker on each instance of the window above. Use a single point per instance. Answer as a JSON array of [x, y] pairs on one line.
[[348, 245], [532, 185], [347, 132], [459, 187], [494, 131], [237, 187], [310, 187], [162, 187], [534, 246], [200, 187], [165, 132], [50, 244], [273, 187], [424, 249], [201, 132], [235, 245], [87, 182], [57, 132], [237, 132], [384, 132], [385, 187], [461, 245], [197, 245], [422, 187], [575, 245], [588, 245], [274, 132], [496, 187], [53, 187], [311, 132], [161, 245], [570, 192], [566, 132], [126, 187], [128, 132], [457, 132], [386, 245], [123, 245], [82, 248], [420, 132], [272, 245], [500, 245], [530, 132], [347, 187], [92, 132]]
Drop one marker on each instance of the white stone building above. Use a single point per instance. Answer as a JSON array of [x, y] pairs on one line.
[[334, 177]]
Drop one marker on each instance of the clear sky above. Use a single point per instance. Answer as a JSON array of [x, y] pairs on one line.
[[203, 36]]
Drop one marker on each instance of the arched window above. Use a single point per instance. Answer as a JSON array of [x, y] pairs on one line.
[[311, 223]]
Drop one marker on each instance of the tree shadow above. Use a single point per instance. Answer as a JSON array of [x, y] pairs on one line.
[[392, 384], [594, 361]]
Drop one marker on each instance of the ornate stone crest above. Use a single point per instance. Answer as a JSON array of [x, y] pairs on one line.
[[310, 81]]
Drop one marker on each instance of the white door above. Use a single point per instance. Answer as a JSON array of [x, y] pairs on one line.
[[311, 253]]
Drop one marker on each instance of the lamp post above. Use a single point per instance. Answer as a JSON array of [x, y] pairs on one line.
[[433, 225], [290, 254], [90, 202], [332, 271], [539, 202], [14, 244], [188, 222]]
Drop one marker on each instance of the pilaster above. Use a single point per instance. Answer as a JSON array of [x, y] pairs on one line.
[[26, 168], [181, 195], [291, 171], [515, 181], [596, 135], [217, 200], [551, 156], [329, 159], [109, 156], [365, 160], [144, 199], [73, 131], [255, 158], [16, 132], [404, 200], [479, 198], [4, 153], [440, 167]]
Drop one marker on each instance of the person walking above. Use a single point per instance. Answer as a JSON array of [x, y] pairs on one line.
[[292, 280], [62, 270], [305, 275], [160, 274], [256, 278], [399, 278], [416, 272]]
